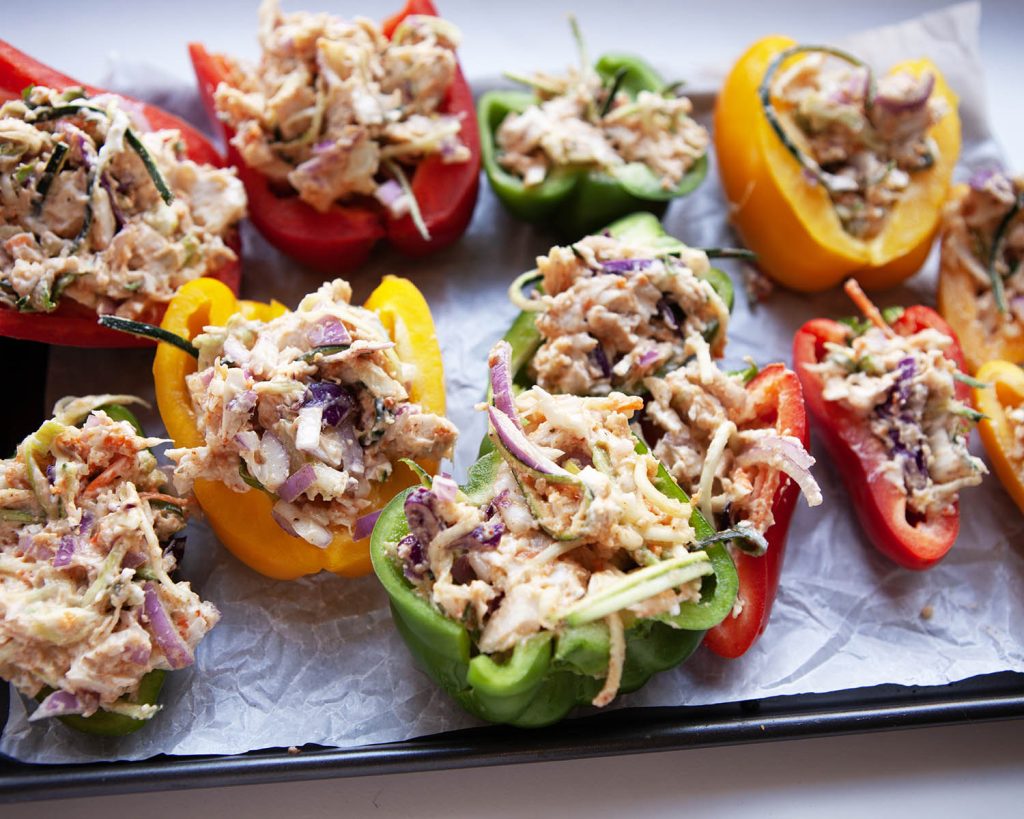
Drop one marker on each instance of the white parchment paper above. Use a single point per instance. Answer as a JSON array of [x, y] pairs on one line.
[[318, 661]]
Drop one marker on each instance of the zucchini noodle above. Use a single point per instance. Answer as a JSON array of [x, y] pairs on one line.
[[616, 661]]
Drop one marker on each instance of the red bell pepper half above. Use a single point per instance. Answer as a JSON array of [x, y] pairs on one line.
[[911, 541], [779, 404], [72, 324], [342, 238]]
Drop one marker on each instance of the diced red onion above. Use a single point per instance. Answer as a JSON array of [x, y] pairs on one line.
[[336, 400], [351, 450], [364, 525], [290, 519], [328, 331], [500, 363], [206, 377], [648, 358], [600, 358], [65, 550], [444, 488], [62, 704], [980, 178], [139, 654], [421, 515], [897, 105], [297, 483], [626, 265], [243, 403], [515, 442], [175, 649], [788, 456], [247, 441], [1017, 306], [132, 559]]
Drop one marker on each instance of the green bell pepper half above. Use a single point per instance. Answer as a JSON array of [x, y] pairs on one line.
[[548, 674], [579, 200], [107, 723], [525, 339]]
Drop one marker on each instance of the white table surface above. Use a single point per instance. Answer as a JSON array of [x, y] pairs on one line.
[[935, 772]]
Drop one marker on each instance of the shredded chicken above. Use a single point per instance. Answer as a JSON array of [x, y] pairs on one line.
[[85, 533], [868, 140], [904, 388], [710, 438], [574, 124], [312, 407], [332, 102], [614, 312], [81, 216], [970, 228]]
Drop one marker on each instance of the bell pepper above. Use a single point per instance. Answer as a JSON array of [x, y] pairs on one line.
[[1003, 391], [73, 324], [549, 673], [242, 521], [779, 404], [523, 335], [789, 221], [958, 297], [578, 201], [858, 455], [342, 238]]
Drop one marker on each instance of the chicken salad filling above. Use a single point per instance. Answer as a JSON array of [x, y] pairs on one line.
[[714, 444], [584, 121], [984, 234], [570, 530], [312, 407], [336, 110], [97, 209], [862, 138], [614, 311], [87, 545], [904, 387]]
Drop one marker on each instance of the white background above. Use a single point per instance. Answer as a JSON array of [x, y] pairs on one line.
[[934, 772]]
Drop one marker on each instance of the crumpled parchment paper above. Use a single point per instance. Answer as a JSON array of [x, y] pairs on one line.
[[317, 660]]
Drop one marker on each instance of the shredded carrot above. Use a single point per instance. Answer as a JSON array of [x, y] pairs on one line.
[[162, 497], [107, 475], [867, 307]]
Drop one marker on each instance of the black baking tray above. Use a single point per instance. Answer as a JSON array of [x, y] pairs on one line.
[[623, 731]]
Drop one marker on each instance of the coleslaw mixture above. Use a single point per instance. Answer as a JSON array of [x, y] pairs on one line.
[[614, 312], [336, 110], [709, 443], [86, 550], [989, 213], [903, 387], [867, 136], [582, 122], [97, 209], [545, 545], [312, 407]]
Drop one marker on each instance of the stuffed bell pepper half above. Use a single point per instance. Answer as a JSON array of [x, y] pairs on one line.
[[891, 401], [981, 278], [108, 206], [999, 396], [580, 150], [347, 133], [830, 170], [568, 569], [635, 310], [292, 427], [89, 533]]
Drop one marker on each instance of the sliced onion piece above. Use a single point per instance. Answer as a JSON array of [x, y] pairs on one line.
[[786, 454], [364, 525], [62, 704], [307, 429], [291, 519], [297, 483], [175, 649], [500, 363], [445, 488], [328, 332], [513, 443], [273, 471], [902, 105], [65, 550]]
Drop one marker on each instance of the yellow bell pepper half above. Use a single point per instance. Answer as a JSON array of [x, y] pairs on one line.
[[242, 520], [997, 433], [789, 221]]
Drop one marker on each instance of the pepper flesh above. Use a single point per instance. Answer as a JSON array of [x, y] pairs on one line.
[[72, 324], [779, 404], [575, 200], [790, 222], [547, 674], [1005, 393], [341, 239], [242, 521], [858, 454]]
